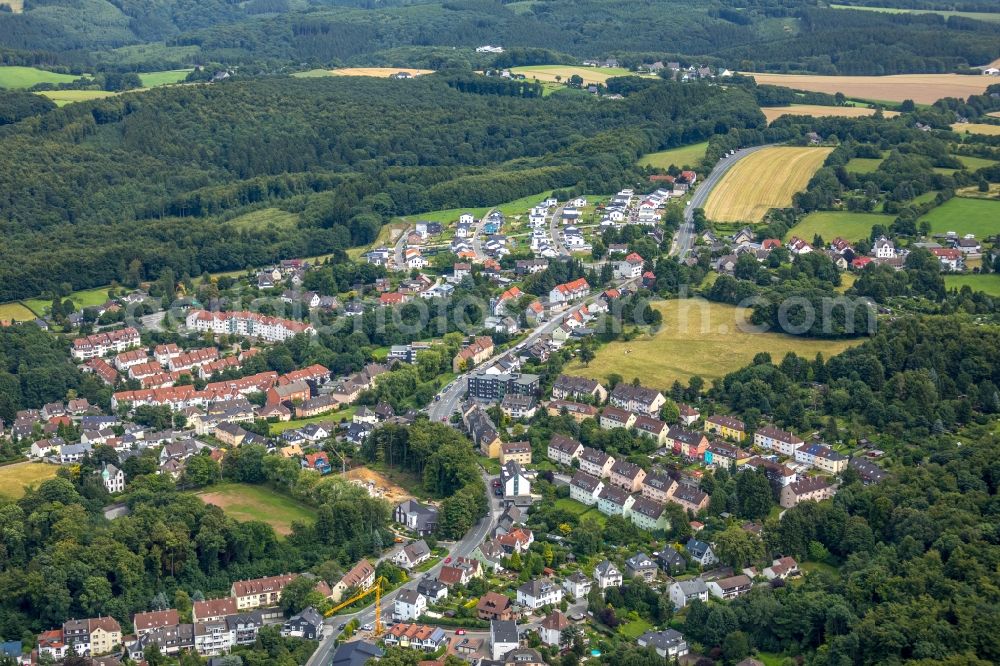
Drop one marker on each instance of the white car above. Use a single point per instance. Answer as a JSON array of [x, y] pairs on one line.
[[368, 627]]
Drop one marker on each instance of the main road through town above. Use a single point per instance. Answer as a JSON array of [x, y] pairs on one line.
[[685, 236]]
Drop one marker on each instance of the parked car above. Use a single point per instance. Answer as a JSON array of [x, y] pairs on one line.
[[447, 559], [343, 625], [368, 627], [460, 632]]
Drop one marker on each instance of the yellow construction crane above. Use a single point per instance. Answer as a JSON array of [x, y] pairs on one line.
[[377, 589]]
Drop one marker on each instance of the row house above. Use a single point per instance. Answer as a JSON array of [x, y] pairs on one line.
[[92, 636], [687, 443], [637, 399], [575, 410], [726, 426], [163, 353], [260, 592], [572, 387], [247, 324], [519, 452], [615, 502], [585, 488], [569, 291], [780, 441], [213, 610], [821, 457], [192, 359], [360, 577], [127, 359], [655, 429], [691, 499], [563, 450], [627, 476], [596, 463], [815, 489], [614, 417], [102, 344], [217, 366], [777, 473], [474, 353], [725, 455], [649, 515]]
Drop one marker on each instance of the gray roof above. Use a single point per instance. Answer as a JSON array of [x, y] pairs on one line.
[[408, 597], [310, 615], [663, 640], [606, 568], [697, 548], [692, 587], [503, 631], [355, 653], [417, 549], [640, 561]]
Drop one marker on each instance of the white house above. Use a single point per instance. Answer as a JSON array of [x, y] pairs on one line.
[[409, 605], [537, 593], [683, 592], [607, 575], [503, 638], [412, 555], [466, 218], [884, 248], [113, 478], [585, 489], [577, 585]]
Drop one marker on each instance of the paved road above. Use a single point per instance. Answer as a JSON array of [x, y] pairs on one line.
[[398, 258], [477, 236], [685, 236], [554, 233]]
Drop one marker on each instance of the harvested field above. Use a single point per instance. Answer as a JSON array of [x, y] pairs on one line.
[[548, 73], [921, 88], [16, 478], [15, 312], [977, 128], [378, 485], [816, 111], [763, 180], [697, 337], [379, 72]]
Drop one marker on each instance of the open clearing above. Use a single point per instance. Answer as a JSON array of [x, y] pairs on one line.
[[265, 218], [16, 6], [82, 299], [817, 111], [684, 156], [380, 72], [332, 417], [965, 216], [977, 128], [975, 163], [242, 501], [378, 485], [25, 77], [922, 88], [763, 180], [864, 164], [164, 78], [988, 284], [64, 97], [15, 312], [698, 337], [14, 479], [830, 224], [548, 73], [977, 16]]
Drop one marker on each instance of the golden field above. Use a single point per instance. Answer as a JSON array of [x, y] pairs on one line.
[[921, 88], [379, 72], [816, 111], [977, 128], [763, 180]]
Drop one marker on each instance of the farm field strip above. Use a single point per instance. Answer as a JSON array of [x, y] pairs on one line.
[[15, 312], [763, 180], [988, 283], [965, 216], [379, 72], [684, 155], [990, 17], [548, 73], [977, 128], [830, 224], [15, 76], [921, 88], [772, 113]]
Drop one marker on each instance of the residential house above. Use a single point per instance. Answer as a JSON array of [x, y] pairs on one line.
[[516, 541], [495, 606], [519, 452], [637, 399], [420, 518], [355, 653], [317, 462], [539, 592], [569, 291], [146, 622], [409, 605], [671, 561], [307, 624], [630, 267], [777, 440], [868, 471], [213, 610], [669, 643], [614, 501], [92, 636], [783, 568], [210, 638], [683, 592], [655, 429], [432, 590], [577, 585], [613, 417], [649, 515], [641, 566], [519, 406], [524, 656], [726, 426], [563, 450], [504, 638], [112, 478], [572, 387], [585, 488], [415, 637], [815, 489], [701, 552], [482, 431], [627, 476], [606, 574], [777, 473], [821, 457], [884, 248], [730, 588], [460, 571], [687, 443], [514, 482], [657, 486], [596, 463], [360, 577], [474, 353], [259, 592], [552, 628], [412, 555], [725, 455]]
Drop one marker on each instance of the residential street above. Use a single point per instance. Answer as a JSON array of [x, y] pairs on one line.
[[554, 233]]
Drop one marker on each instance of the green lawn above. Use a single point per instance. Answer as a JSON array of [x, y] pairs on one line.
[[572, 506], [864, 164], [86, 298], [335, 417], [264, 219], [25, 77], [64, 97], [816, 567], [679, 157], [249, 502], [830, 224], [975, 163], [988, 284], [153, 79], [634, 629], [14, 479], [965, 216]]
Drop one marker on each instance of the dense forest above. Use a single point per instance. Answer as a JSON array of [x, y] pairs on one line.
[[100, 185], [750, 34]]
